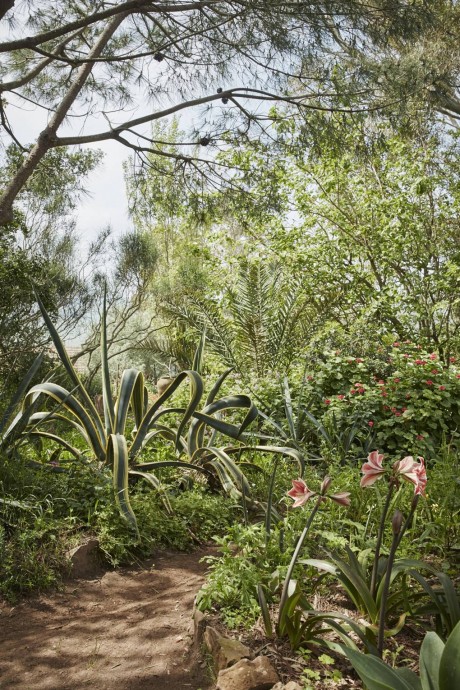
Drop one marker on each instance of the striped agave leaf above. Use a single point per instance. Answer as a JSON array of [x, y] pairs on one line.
[[117, 457], [196, 393], [95, 434], [107, 398], [195, 438], [233, 480], [71, 371]]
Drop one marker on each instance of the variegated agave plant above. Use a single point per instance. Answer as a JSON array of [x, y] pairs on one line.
[[108, 439]]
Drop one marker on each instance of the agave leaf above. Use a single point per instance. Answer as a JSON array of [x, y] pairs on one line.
[[196, 393], [199, 354], [155, 482], [109, 408], [61, 395], [57, 439], [170, 463], [232, 470], [217, 386], [12, 435], [21, 389], [40, 418], [131, 391], [197, 427], [117, 455], [449, 668], [63, 356]]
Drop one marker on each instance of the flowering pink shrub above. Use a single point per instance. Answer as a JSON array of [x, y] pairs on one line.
[[405, 403]]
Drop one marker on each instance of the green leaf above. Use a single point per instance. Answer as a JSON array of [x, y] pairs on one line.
[[117, 455], [430, 659], [375, 674], [63, 356], [131, 390], [21, 389], [68, 401], [449, 669], [109, 408], [199, 354], [265, 611]]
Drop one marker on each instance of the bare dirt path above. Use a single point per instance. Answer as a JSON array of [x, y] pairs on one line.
[[130, 630]]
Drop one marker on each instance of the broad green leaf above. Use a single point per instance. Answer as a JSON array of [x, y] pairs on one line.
[[217, 386], [63, 356], [430, 659], [375, 674], [57, 439], [61, 395], [449, 669], [107, 398], [117, 455], [131, 391], [265, 611], [20, 390]]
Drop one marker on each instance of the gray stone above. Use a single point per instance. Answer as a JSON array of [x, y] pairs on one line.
[[248, 675], [225, 651], [199, 626], [292, 685], [84, 559]]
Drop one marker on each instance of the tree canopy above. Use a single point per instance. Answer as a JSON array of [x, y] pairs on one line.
[[128, 64]]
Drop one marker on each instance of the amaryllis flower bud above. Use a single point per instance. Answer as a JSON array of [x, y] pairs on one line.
[[396, 522], [325, 484]]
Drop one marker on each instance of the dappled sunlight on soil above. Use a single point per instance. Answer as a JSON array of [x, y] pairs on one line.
[[129, 629]]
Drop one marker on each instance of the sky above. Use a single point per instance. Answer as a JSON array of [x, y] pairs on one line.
[[106, 201]]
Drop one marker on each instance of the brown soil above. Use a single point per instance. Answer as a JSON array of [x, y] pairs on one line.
[[130, 629]]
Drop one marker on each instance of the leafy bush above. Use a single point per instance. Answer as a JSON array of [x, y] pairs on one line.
[[407, 399]]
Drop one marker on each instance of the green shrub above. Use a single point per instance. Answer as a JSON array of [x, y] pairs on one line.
[[408, 400]]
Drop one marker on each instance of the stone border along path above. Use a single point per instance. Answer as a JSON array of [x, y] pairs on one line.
[[129, 629]]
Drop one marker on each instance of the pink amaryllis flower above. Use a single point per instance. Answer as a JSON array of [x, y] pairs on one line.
[[372, 469], [412, 471], [300, 493]]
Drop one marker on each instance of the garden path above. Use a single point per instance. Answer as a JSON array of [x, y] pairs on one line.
[[129, 629]]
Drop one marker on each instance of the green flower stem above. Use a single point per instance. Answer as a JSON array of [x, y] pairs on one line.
[[284, 594], [409, 519], [386, 587], [375, 565]]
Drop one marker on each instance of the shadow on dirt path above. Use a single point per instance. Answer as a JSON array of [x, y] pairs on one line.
[[130, 629]]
